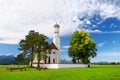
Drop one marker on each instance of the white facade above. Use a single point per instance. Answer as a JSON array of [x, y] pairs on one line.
[[53, 56]]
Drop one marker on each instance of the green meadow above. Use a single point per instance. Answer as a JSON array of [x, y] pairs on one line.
[[96, 72]]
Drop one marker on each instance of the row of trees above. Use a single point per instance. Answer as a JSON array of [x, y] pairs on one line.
[[82, 47], [105, 63], [34, 44]]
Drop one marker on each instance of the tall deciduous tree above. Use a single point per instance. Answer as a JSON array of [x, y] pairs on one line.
[[82, 47]]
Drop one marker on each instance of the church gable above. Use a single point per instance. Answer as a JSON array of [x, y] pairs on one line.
[[52, 46]]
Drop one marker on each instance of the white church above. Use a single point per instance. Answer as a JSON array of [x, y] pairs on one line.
[[53, 56]]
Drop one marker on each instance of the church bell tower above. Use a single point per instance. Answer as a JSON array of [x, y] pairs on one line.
[[56, 39]]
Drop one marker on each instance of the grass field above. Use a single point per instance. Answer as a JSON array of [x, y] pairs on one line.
[[110, 72]]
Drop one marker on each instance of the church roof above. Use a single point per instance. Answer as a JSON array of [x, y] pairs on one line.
[[52, 45], [56, 25]]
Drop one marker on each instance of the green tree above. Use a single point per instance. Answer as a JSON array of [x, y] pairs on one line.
[[34, 44], [42, 47], [82, 47], [28, 46], [20, 58]]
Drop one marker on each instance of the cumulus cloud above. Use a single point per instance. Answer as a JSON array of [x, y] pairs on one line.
[[17, 17]]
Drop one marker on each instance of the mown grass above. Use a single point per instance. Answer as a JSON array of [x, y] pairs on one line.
[[109, 72]]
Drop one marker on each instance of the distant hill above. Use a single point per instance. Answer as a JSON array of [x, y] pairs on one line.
[[7, 59]]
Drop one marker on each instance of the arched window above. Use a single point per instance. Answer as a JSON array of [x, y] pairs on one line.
[[53, 60], [49, 59]]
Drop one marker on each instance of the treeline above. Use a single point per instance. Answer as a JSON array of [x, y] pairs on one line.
[[106, 63]]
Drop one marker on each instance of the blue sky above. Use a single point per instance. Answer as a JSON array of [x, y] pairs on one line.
[[108, 45], [101, 18], [108, 40]]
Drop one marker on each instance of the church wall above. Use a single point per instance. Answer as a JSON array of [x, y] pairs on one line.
[[62, 65], [35, 58], [53, 55]]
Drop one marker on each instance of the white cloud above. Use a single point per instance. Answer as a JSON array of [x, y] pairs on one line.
[[88, 22], [101, 44], [92, 31], [99, 31], [66, 47], [17, 17]]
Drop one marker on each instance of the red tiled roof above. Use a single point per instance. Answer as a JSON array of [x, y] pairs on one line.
[[52, 45]]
